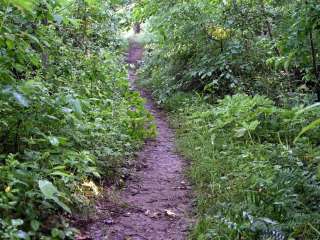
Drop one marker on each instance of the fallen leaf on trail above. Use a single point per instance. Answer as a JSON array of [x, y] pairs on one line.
[[169, 213], [108, 222], [147, 212], [127, 214]]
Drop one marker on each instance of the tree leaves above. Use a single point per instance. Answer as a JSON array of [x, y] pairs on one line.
[[27, 5]]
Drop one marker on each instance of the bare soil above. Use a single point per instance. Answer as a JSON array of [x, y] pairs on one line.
[[155, 203]]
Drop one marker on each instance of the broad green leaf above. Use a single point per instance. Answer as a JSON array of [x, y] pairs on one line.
[[35, 225], [10, 44], [48, 189], [51, 192]]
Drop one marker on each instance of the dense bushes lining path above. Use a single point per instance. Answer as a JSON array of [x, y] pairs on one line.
[[156, 201]]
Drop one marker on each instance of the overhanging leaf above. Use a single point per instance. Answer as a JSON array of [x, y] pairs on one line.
[[311, 126], [50, 192]]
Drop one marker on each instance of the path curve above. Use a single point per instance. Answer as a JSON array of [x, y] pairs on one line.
[[157, 195]]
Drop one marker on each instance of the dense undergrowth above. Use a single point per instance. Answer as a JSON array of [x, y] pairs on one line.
[[68, 118], [240, 79], [236, 75], [256, 175], [251, 180]]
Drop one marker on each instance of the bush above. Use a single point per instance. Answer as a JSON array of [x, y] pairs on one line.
[[251, 180], [68, 117]]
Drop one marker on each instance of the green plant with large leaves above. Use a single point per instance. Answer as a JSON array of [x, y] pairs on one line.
[[68, 116]]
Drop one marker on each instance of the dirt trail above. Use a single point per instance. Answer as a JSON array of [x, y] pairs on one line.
[[157, 196]]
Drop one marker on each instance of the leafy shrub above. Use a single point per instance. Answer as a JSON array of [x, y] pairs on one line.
[[221, 47], [68, 117]]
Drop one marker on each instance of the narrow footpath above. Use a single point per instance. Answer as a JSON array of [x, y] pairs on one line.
[[157, 196]]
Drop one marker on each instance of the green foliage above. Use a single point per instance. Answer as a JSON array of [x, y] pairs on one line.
[[312, 125], [68, 115], [255, 160], [222, 47], [251, 180], [50, 192]]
